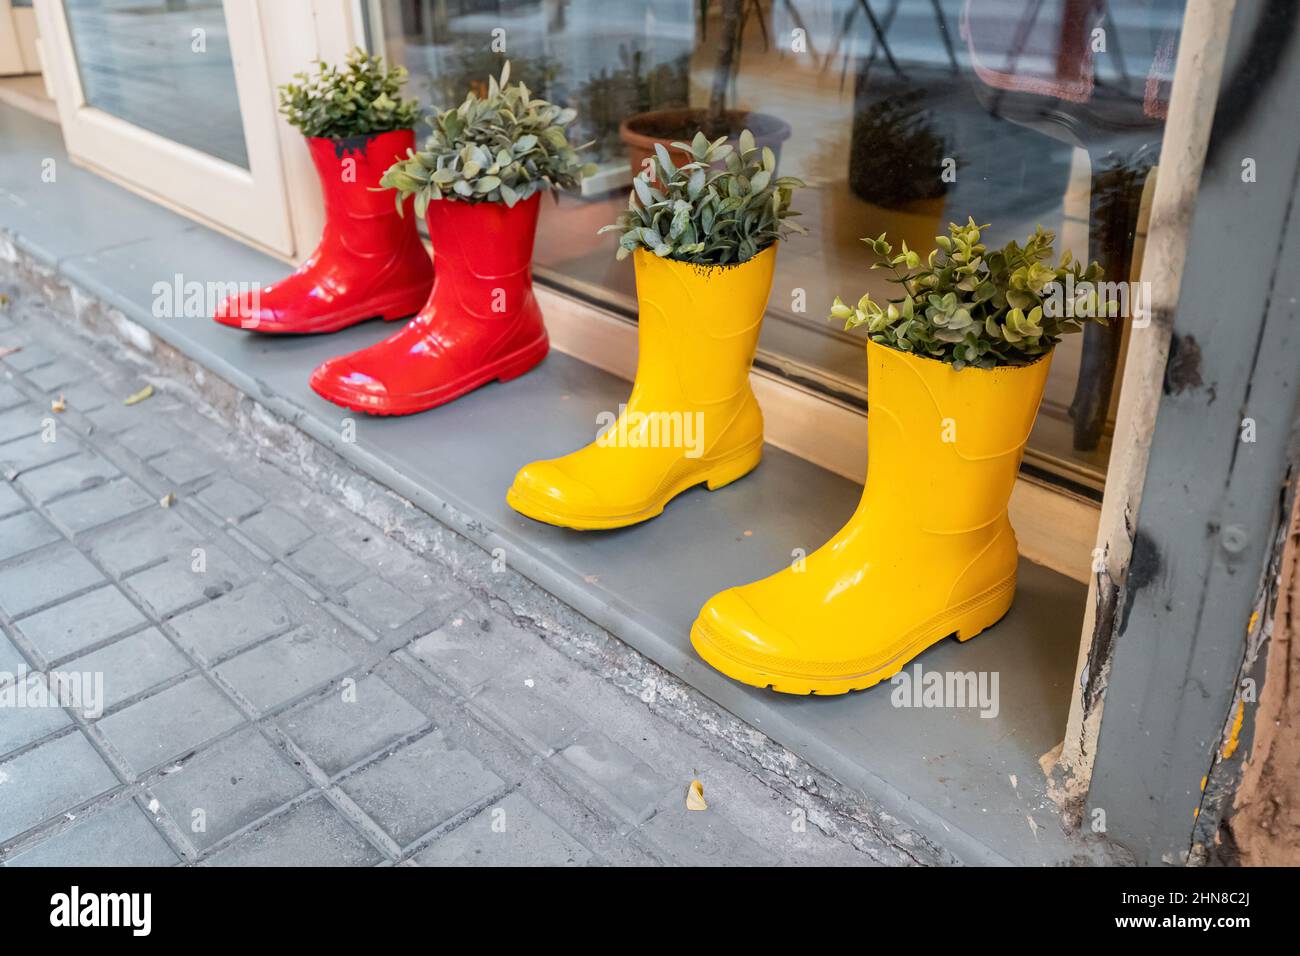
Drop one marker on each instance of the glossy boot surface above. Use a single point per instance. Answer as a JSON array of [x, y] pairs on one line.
[[481, 323], [692, 418], [370, 262], [929, 553]]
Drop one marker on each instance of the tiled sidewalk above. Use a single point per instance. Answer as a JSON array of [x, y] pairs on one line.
[[284, 683]]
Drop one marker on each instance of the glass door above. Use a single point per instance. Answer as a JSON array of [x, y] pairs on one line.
[[174, 98]]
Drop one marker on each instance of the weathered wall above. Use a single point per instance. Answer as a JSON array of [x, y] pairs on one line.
[[1264, 826]]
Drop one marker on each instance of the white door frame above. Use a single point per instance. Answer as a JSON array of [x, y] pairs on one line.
[[18, 54], [248, 203]]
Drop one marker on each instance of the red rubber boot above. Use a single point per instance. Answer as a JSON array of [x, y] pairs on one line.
[[370, 262], [481, 321]]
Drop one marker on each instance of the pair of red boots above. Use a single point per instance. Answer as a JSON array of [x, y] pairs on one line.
[[480, 321]]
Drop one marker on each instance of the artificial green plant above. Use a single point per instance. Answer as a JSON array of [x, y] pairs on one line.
[[700, 213], [362, 98], [965, 305], [502, 147]]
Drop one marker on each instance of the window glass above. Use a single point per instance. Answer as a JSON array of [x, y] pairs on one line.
[[899, 114], [162, 65]]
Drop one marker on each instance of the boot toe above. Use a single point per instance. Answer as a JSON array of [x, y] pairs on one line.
[[338, 380], [545, 491], [242, 312], [733, 637]]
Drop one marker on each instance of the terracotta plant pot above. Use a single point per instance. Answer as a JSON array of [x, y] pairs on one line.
[[641, 131]]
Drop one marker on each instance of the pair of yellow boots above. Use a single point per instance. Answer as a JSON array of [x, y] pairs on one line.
[[929, 553]]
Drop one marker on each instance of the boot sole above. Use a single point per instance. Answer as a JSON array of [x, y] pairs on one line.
[[504, 369], [395, 309], [963, 622], [718, 476]]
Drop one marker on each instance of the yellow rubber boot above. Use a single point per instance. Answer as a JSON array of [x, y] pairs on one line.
[[928, 554], [692, 418]]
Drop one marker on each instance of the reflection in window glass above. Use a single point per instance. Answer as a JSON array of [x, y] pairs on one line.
[[899, 114], [164, 66]]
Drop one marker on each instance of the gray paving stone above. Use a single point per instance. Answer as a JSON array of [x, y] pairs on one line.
[[339, 730], [20, 726], [60, 372], [45, 579], [86, 397], [232, 622], [323, 563], [418, 787], [378, 603], [185, 464], [287, 667], [115, 417], [119, 836], [19, 422], [169, 724], [313, 834], [469, 651], [29, 357], [514, 832], [533, 714], [275, 530], [11, 659], [99, 506], [78, 473], [11, 502], [33, 451], [152, 437], [228, 787], [172, 586], [24, 532], [627, 784], [89, 619], [230, 499], [50, 779], [133, 665], [145, 540], [10, 396], [703, 838]]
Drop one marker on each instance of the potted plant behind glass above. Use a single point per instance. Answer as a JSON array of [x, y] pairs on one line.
[[956, 368], [896, 174], [370, 261], [642, 132], [606, 99], [703, 241], [479, 180]]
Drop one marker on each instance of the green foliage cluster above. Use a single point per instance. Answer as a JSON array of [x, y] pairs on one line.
[[701, 213], [965, 305], [360, 99], [501, 147]]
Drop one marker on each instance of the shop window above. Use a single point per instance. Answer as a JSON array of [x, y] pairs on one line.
[[900, 115]]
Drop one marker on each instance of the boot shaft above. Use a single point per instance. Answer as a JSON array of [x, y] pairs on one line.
[[358, 214], [483, 254], [944, 446], [698, 326]]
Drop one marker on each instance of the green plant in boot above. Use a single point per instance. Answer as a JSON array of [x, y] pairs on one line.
[[503, 147], [965, 305], [704, 214], [363, 98]]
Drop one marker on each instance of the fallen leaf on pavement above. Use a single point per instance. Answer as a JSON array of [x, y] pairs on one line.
[[140, 396], [695, 797]]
